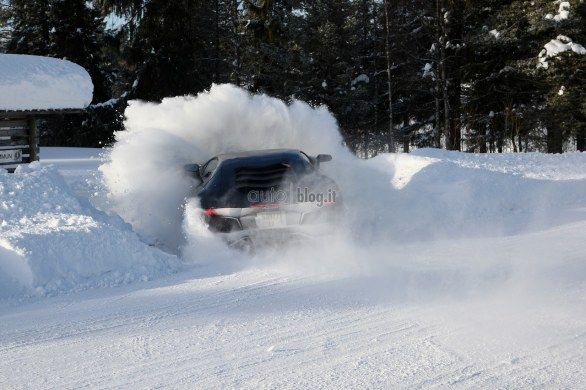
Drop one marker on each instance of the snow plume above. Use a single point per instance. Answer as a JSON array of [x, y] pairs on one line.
[[145, 178], [202, 246]]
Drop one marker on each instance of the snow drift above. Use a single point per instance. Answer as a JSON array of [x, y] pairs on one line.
[[42, 83], [436, 194], [50, 241]]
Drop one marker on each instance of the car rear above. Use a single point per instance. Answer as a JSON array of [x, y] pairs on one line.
[[269, 197]]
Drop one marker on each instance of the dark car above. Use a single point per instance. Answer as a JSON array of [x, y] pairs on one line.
[[266, 196]]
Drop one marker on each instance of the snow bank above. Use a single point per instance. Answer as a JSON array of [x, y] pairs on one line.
[[42, 83], [439, 194], [566, 166], [50, 241]]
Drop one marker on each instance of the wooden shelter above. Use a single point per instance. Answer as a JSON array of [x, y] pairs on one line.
[[19, 136], [33, 88]]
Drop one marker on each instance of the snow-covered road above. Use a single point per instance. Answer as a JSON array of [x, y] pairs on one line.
[[265, 328], [506, 311]]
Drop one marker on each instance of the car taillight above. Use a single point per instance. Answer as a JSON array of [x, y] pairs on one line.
[[210, 212]]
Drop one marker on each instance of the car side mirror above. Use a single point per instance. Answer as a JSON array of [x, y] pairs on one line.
[[323, 158], [194, 169]]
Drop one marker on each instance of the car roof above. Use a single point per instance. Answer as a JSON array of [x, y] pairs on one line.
[[259, 153]]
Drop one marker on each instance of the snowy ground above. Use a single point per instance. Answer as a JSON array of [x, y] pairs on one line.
[[435, 304]]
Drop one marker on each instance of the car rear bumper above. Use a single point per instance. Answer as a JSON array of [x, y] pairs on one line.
[[272, 236], [268, 225]]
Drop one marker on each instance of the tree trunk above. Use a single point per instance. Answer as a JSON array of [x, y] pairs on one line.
[[555, 143], [500, 140], [581, 139], [581, 134], [438, 79], [453, 64], [406, 135], [437, 119], [217, 42], [391, 136], [442, 65], [236, 35], [482, 139]]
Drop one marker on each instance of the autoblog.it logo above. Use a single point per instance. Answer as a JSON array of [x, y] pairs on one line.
[[303, 195]]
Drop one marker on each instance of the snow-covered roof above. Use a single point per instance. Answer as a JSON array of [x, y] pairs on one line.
[[42, 83]]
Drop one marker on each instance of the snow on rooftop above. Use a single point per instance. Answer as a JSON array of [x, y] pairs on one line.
[[42, 83]]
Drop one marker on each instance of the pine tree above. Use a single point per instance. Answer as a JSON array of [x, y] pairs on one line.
[[548, 85], [5, 28], [565, 73], [477, 69], [30, 27], [367, 79], [77, 34], [414, 102], [270, 46]]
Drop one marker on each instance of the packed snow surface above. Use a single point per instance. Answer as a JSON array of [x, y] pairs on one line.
[[450, 269], [42, 83]]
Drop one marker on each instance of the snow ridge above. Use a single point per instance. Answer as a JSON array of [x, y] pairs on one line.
[[50, 241]]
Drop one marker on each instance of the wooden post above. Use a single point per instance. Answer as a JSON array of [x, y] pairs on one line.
[[33, 139]]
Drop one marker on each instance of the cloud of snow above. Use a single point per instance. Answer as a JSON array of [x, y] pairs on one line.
[[145, 177], [424, 224]]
